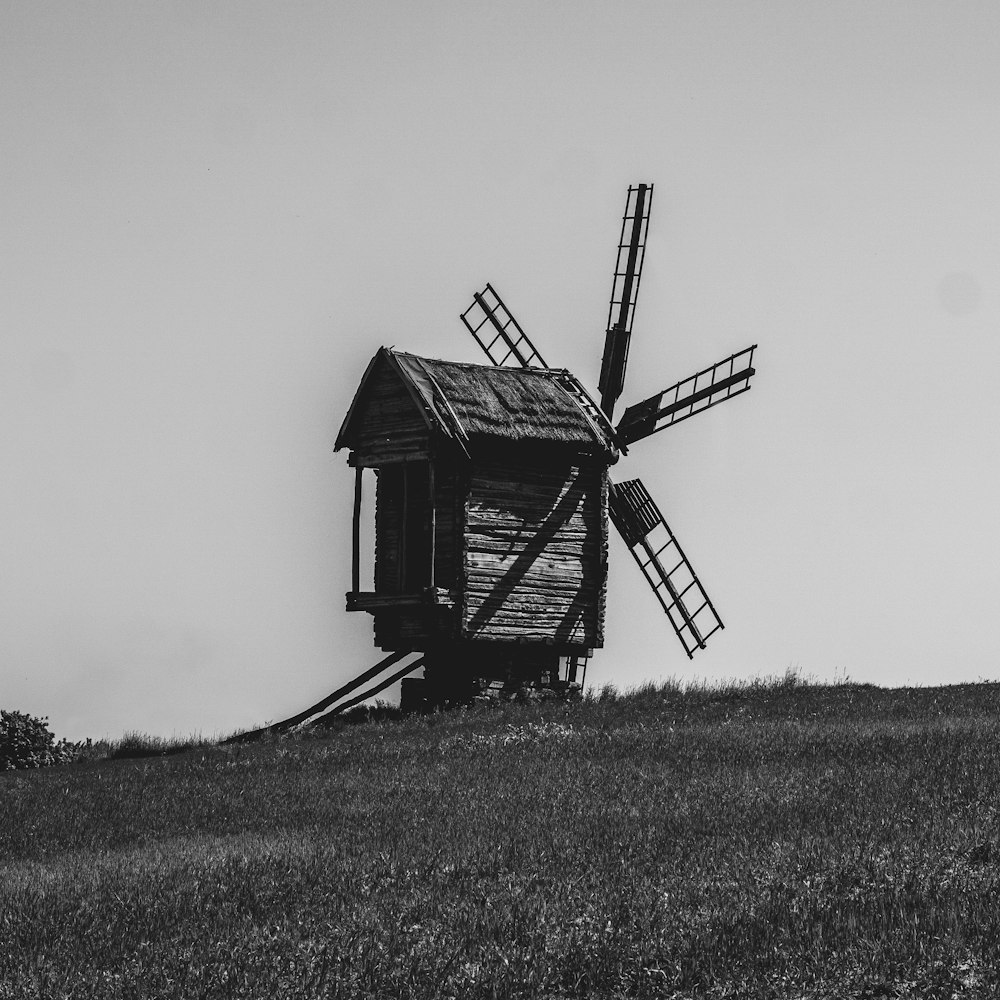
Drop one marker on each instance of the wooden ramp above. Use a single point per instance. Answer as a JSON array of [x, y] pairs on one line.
[[378, 673]]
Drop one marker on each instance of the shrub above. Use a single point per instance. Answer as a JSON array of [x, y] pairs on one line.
[[26, 742]]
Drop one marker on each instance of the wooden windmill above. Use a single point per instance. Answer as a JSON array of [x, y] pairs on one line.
[[493, 498]]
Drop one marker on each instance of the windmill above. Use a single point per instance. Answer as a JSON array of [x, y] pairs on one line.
[[632, 510], [493, 499]]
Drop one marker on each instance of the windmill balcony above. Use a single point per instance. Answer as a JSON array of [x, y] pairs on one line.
[[427, 597]]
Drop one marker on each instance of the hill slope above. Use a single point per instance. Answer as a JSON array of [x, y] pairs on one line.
[[765, 840]]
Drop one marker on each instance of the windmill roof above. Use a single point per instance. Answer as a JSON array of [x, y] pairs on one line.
[[466, 401]]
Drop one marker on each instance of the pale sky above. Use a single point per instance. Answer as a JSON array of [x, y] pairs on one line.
[[213, 214]]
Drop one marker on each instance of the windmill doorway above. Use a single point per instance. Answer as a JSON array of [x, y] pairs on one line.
[[403, 515]]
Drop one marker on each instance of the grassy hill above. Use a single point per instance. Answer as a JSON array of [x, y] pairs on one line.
[[766, 840]]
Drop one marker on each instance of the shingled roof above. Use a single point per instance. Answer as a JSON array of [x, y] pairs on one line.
[[466, 402]]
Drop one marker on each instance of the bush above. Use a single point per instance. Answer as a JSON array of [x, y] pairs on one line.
[[27, 742]]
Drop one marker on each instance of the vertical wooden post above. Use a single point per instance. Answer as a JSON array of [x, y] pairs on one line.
[[356, 540], [404, 523], [433, 518]]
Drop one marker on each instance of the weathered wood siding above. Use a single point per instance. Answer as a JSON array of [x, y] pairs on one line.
[[416, 627], [447, 528], [391, 427], [535, 558], [388, 534], [396, 570]]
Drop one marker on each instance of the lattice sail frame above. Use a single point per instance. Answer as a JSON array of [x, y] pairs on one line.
[[654, 548], [715, 384], [498, 333], [624, 293]]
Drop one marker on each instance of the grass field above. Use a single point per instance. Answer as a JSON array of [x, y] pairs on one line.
[[764, 840]]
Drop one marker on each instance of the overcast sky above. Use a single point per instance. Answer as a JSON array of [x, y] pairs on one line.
[[213, 214]]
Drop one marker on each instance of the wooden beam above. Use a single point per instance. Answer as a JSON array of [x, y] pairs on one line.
[[356, 538], [433, 519], [401, 540], [436, 597]]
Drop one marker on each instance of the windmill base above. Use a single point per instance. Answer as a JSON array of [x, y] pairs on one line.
[[466, 676]]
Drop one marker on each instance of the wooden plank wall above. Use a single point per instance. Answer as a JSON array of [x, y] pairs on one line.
[[418, 627], [388, 525], [414, 627], [390, 425], [535, 558], [447, 528]]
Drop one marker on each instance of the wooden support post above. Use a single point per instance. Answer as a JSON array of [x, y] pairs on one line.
[[356, 540], [433, 519], [403, 542]]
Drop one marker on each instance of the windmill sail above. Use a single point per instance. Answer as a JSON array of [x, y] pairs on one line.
[[624, 290], [663, 563], [715, 384], [498, 333], [516, 350], [633, 512]]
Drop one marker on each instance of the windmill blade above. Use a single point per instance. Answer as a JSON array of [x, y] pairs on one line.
[[722, 381], [624, 290], [498, 333], [663, 563]]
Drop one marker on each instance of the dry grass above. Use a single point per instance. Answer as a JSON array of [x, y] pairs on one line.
[[768, 840]]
